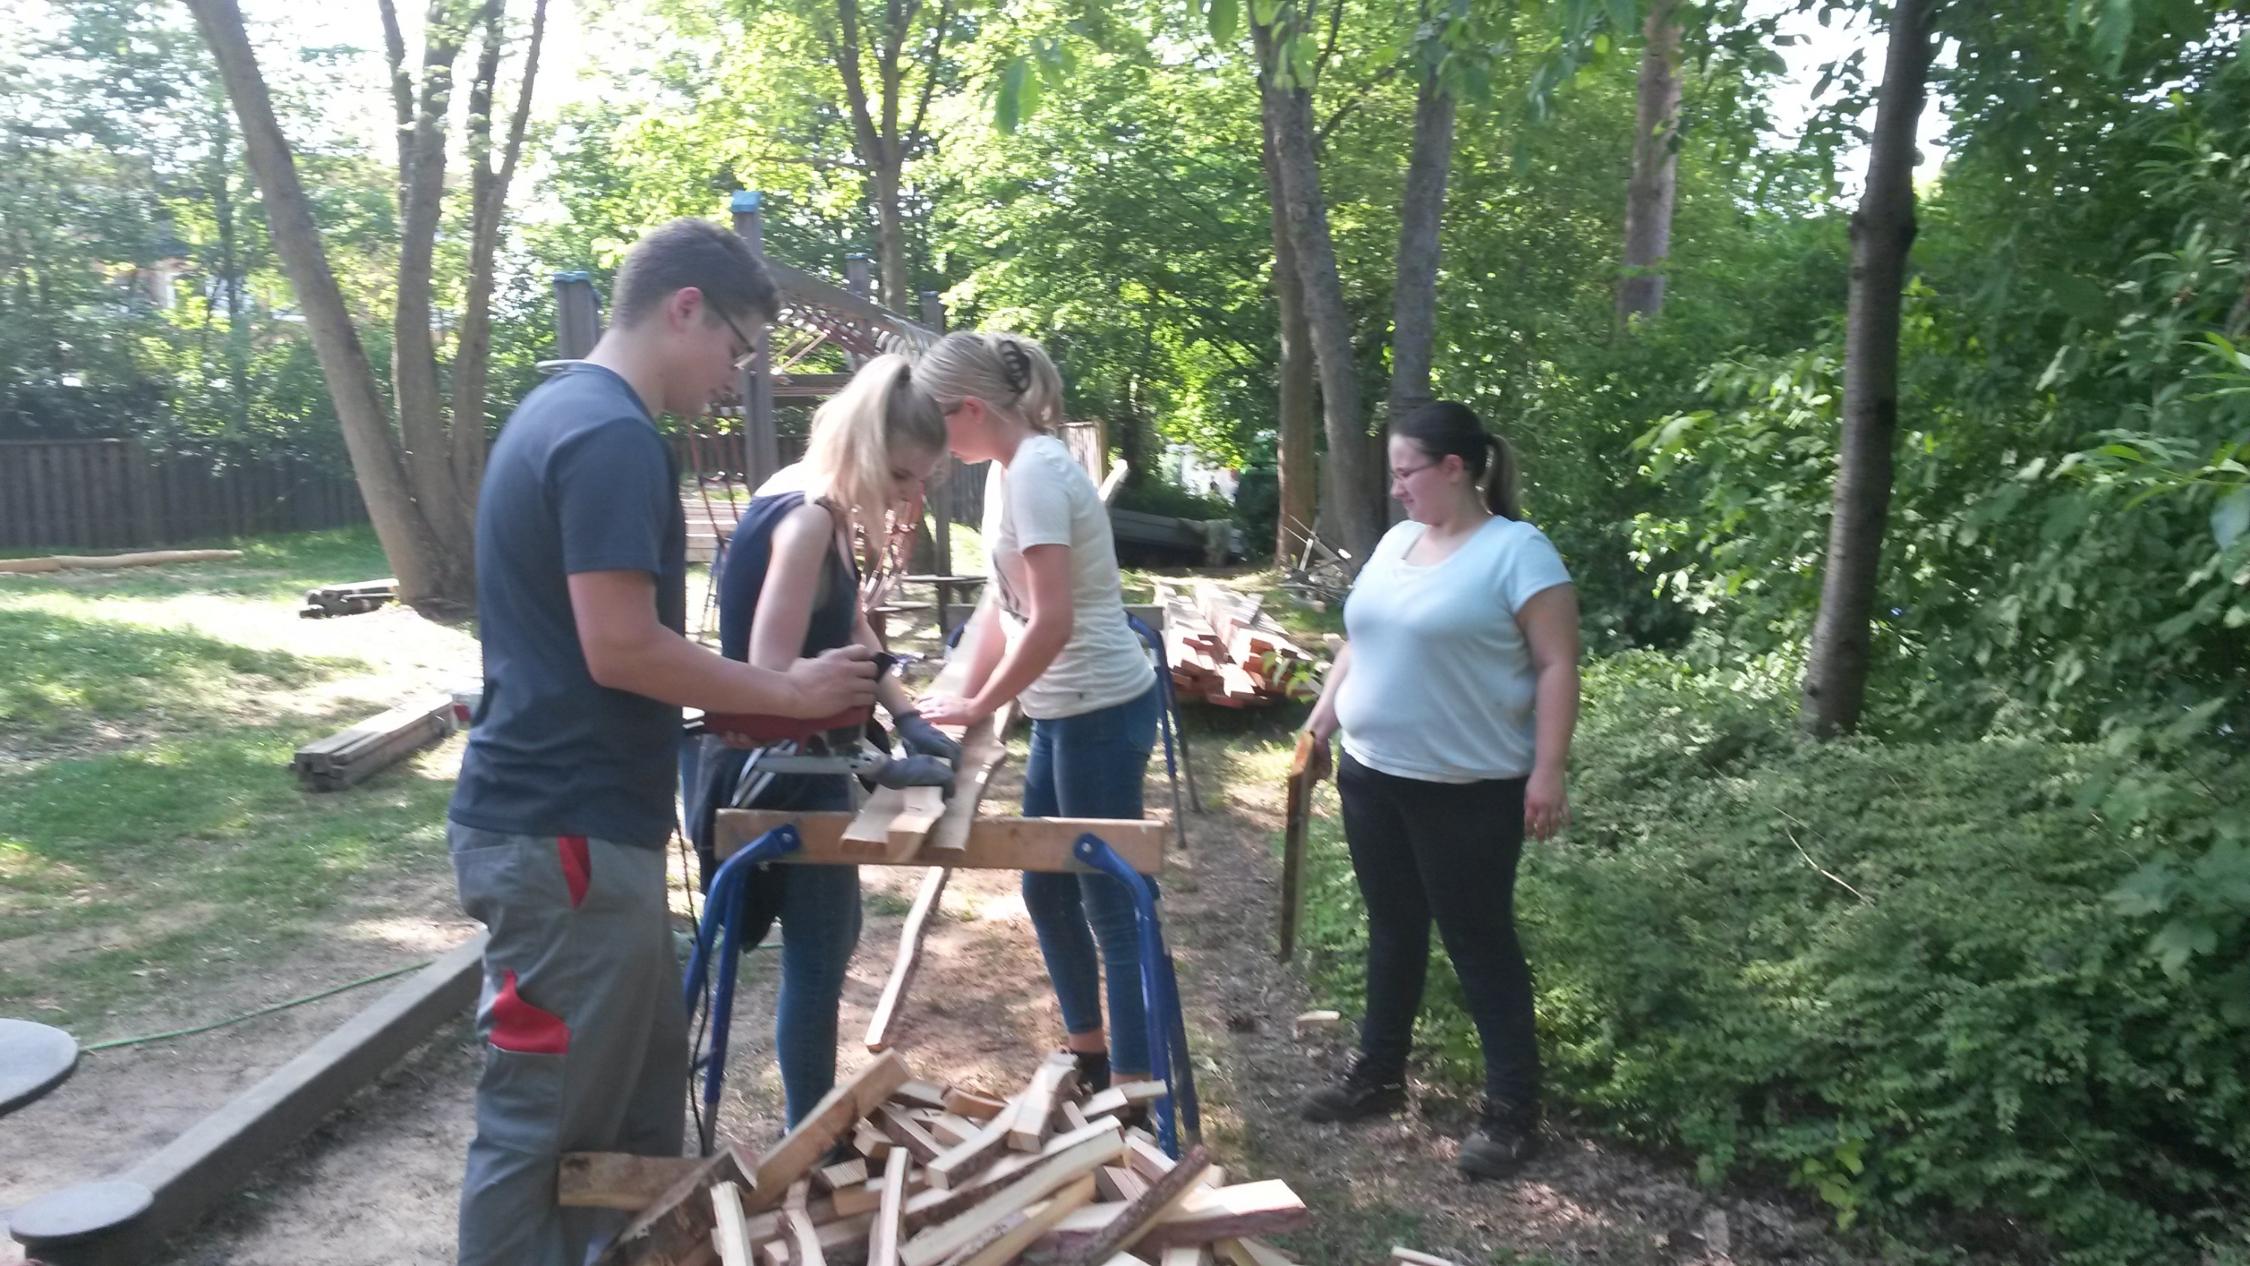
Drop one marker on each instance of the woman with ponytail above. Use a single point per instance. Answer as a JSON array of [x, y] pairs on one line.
[[789, 588], [1456, 695], [1051, 634]]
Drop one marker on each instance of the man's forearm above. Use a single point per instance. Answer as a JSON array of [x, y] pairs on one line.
[[670, 669]]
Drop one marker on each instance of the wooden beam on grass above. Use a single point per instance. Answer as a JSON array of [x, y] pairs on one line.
[[94, 562], [1041, 844], [352, 755]]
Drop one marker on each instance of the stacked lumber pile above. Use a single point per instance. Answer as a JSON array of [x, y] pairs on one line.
[[1223, 650], [891, 1171], [351, 756], [353, 599]]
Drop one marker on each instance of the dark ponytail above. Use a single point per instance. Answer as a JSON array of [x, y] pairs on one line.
[[1445, 427]]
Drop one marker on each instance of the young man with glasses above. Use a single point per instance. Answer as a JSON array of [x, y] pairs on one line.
[[564, 808]]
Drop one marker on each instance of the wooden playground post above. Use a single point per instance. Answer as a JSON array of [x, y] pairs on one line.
[[941, 506], [860, 281], [578, 315]]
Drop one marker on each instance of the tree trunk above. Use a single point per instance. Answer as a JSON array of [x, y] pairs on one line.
[[428, 572], [890, 241], [1352, 489], [414, 370], [1296, 468], [1835, 687], [1132, 435], [488, 193], [231, 265], [1421, 213], [881, 140], [1656, 161]]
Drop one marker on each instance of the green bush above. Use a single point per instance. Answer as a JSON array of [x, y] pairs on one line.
[[1951, 988]]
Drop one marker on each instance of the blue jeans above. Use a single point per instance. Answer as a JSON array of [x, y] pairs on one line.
[[819, 930], [1091, 766]]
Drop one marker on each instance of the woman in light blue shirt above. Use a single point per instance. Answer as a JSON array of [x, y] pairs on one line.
[[1456, 697]]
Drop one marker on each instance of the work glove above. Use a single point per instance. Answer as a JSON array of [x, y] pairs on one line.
[[924, 739], [915, 771]]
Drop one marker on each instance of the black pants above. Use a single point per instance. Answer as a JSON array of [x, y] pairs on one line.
[[1447, 851]]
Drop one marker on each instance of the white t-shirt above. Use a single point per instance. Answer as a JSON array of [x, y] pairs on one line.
[[1441, 681], [1043, 497]]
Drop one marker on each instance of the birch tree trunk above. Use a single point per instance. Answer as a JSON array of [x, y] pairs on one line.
[[1656, 163]]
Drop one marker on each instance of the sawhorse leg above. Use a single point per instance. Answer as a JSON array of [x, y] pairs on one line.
[[722, 912], [1160, 990]]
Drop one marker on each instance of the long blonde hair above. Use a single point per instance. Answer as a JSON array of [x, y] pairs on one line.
[[1010, 373], [854, 434]]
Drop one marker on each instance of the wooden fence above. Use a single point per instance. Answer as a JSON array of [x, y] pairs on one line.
[[114, 494]]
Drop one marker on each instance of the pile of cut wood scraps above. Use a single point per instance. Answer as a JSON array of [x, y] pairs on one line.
[[358, 598], [891, 1171], [1223, 650]]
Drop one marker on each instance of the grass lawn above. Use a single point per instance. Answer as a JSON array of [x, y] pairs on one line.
[[154, 848]]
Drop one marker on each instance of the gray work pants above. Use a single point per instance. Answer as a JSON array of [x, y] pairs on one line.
[[585, 1038]]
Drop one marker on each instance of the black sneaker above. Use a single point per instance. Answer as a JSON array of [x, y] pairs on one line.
[[1506, 1136], [1359, 1094], [1093, 1071]]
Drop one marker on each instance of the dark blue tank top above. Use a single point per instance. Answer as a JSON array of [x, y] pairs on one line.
[[742, 577]]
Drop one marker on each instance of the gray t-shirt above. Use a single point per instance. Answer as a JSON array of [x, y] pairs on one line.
[[1441, 682], [579, 481]]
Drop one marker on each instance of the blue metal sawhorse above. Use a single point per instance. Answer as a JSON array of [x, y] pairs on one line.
[[721, 930]]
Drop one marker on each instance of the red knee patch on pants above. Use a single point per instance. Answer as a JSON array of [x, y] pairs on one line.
[[577, 866], [519, 1026]]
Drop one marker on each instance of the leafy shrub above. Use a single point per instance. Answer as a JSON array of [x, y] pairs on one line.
[[1938, 985]]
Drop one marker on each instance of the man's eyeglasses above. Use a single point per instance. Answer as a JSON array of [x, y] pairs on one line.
[[750, 346]]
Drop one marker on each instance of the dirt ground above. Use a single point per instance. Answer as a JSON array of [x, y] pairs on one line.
[[377, 1182]]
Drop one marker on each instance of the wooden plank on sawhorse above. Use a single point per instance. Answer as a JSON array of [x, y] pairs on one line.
[[1042, 844]]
